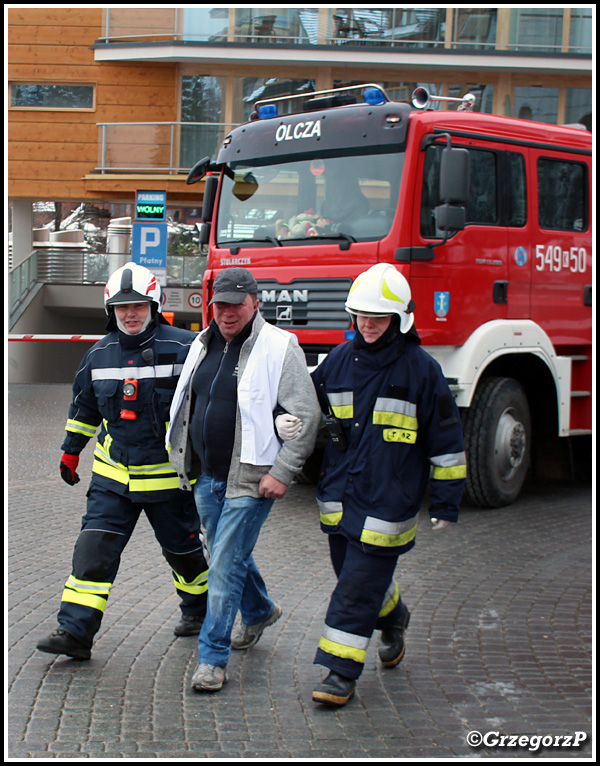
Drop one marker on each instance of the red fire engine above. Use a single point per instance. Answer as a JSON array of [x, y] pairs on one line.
[[488, 217]]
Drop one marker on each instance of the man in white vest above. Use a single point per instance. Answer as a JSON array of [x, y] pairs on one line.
[[239, 374]]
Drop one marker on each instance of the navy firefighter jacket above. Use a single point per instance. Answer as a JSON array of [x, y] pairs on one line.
[[130, 456], [403, 432]]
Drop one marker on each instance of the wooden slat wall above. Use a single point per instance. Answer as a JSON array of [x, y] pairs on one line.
[[51, 151]]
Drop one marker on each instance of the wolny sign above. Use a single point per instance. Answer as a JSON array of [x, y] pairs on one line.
[[150, 205]]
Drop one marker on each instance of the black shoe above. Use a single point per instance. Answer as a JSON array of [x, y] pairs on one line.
[[391, 645], [62, 642], [335, 690], [189, 625]]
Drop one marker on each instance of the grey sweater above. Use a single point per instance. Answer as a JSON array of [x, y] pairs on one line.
[[296, 395]]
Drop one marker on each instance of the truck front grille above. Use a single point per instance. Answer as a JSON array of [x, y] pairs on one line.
[[305, 303]]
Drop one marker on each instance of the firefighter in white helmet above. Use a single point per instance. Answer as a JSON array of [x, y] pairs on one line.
[[124, 387], [395, 429]]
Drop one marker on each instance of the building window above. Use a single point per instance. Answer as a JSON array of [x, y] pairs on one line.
[[51, 96], [204, 23], [537, 28], [579, 107], [536, 103], [202, 101], [580, 31], [475, 28]]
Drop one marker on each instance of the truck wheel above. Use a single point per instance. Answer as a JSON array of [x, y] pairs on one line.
[[497, 430]]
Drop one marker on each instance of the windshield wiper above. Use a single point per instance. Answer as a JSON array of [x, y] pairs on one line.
[[272, 240], [347, 238]]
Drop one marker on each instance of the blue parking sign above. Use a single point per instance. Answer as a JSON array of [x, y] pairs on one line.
[[149, 244]]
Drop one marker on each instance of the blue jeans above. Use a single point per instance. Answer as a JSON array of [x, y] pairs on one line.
[[234, 583]]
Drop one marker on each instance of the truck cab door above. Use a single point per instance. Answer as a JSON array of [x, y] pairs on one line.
[[464, 282]]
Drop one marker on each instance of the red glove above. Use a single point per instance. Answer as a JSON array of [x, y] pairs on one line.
[[68, 467]]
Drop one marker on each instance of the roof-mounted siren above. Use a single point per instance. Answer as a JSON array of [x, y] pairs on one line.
[[421, 99]]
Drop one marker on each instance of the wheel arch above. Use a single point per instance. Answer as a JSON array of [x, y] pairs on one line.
[[538, 382], [514, 349]]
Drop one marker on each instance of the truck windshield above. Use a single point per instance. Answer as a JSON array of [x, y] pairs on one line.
[[351, 197]]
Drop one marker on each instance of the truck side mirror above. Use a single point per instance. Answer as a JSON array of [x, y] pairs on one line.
[[203, 234], [450, 217], [455, 177], [198, 172], [208, 201]]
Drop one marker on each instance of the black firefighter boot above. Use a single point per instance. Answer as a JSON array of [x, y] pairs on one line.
[[189, 625], [391, 645], [335, 690], [61, 641]]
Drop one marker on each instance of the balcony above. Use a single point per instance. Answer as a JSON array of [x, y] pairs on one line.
[[550, 30], [157, 147]]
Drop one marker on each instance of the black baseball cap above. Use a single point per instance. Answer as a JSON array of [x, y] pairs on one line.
[[233, 285]]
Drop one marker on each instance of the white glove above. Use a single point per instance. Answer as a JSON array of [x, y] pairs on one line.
[[439, 523], [288, 426]]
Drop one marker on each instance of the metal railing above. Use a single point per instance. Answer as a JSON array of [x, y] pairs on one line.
[[169, 147], [57, 265]]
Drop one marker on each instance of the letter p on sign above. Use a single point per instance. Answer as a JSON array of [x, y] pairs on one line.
[[149, 244]]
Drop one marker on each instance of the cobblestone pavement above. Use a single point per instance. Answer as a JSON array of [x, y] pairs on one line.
[[500, 638]]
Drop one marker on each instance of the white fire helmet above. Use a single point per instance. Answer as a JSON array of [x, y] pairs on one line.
[[132, 283], [380, 291]]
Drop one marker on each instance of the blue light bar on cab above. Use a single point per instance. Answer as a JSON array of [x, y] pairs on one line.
[[373, 96], [267, 111]]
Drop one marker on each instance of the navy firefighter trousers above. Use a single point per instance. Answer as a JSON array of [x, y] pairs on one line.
[[105, 531], [365, 599]]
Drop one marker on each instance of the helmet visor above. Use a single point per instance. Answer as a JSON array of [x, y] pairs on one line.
[[367, 314]]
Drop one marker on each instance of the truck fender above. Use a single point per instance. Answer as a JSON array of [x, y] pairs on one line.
[[464, 365]]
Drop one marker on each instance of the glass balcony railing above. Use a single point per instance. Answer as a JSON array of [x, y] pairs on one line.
[[478, 28], [21, 279], [57, 266], [158, 147]]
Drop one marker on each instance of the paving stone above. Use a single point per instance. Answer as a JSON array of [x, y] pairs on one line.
[[500, 636]]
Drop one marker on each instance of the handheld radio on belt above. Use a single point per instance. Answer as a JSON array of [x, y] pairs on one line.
[[334, 428]]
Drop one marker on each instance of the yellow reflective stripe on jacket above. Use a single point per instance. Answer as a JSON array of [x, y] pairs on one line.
[[79, 427], [153, 485], [342, 404], [349, 646], [106, 467], [140, 478], [331, 512], [388, 534], [448, 467], [396, 413], [151, 468], [197, 586], [108, 440], [390, 600], [86, 593]]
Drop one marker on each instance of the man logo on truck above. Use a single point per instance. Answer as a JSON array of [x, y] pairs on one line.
[[285, 296]]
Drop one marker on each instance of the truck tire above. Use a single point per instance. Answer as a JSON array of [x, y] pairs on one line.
[[497, 431]]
